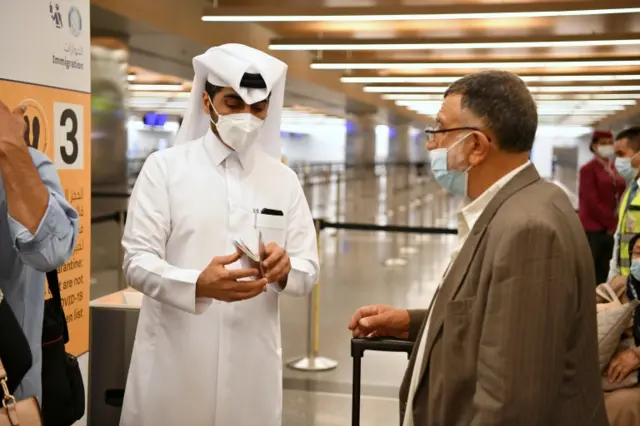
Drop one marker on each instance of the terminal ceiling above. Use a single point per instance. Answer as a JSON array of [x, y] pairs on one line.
[[581, 59]]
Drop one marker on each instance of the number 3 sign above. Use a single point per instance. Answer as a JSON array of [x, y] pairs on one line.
[[68, 139]]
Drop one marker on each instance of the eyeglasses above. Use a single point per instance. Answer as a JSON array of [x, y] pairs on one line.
[[432, 131]]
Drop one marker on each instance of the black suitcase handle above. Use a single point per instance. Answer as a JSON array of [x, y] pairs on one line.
[[381, 344], [358, 347]]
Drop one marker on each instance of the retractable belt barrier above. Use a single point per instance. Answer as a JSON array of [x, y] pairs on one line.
[[388, 228], [110, 217], [312, 360], [110, 194], [358, 348]]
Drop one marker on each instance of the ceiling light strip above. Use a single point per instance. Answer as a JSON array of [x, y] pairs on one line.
[[473, 65], [541, 102], [211, 15], [156, 87], [541, 96], [451, 46], [525, 78], [534, 89]]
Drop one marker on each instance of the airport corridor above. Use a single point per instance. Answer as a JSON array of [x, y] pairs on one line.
[[358, 267]]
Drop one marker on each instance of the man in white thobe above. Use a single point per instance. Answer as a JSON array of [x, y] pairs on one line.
[[207, 349]]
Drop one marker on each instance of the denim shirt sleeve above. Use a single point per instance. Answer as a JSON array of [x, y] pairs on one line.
[[56, 236]]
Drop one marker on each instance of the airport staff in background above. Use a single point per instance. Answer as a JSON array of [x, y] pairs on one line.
[[627, 149], [207, 349], [510, 338], [38, 232], [600, 190]]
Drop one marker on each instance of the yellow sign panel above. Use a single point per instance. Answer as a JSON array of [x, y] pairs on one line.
[[58, 124]]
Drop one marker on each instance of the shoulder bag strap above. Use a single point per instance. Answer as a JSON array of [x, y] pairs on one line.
[[6, 395], [54, 288]]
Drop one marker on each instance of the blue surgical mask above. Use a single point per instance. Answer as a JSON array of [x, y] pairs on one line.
[[635, 269], [454, 181], [626, 170]]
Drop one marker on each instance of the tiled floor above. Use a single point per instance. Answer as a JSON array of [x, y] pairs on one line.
[[354, 273]]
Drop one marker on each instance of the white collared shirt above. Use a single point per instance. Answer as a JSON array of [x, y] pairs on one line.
[[467, 218]]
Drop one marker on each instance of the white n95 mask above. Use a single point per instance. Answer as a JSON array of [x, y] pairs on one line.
[[238, 131]]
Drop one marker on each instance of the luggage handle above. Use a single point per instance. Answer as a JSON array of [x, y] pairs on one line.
[[381, 344], [358, 347]]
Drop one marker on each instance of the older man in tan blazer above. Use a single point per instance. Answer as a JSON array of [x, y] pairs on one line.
[[510, 338]]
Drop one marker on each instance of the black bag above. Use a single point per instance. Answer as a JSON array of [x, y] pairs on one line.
[[63, 400], [15, 352]]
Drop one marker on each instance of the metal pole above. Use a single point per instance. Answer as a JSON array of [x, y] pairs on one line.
[[355, 399], [338, 195], [307, 174], [313, 361], [121, 279]]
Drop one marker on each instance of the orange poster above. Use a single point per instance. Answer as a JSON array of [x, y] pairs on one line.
[[58, 124]]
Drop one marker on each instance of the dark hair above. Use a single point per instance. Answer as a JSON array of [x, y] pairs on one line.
[[504, 102], [595, 141], [211, 89], [632, 243], [633, 135]]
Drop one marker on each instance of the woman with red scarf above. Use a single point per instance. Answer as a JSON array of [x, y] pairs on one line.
[[600, 190]]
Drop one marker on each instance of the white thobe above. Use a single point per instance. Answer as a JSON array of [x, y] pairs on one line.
[[467, 218], [203, 362]]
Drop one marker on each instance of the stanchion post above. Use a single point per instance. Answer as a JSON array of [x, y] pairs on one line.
[[338, 195], [312, 361], [121, 280], [305, 174]]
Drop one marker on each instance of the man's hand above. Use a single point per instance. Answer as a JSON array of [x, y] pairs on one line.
[[12, 127], [218, 282], [277, 264], [622, 365], [26, 194], [380, 320]]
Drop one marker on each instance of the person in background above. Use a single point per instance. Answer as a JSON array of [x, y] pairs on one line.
[[38, 232], [207, 348], [600, 189], [627, 148], [623, 405]]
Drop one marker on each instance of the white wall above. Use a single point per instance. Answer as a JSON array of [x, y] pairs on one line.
[[324, 143], [584, 153], [142, 140], [382, 143], [417, 149], [549, 137]]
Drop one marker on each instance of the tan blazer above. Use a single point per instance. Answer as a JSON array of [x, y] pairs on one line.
[[512, 340]]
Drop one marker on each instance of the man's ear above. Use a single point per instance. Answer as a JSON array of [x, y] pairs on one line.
[[205, 103], [480, 148]]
